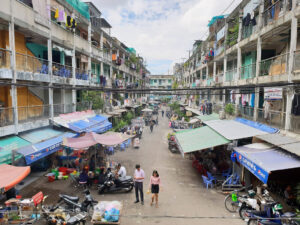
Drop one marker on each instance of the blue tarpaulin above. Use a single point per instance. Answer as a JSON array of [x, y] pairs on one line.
[[257, 125], [98, 124], [42, 149], [214, 19], [259, 159]]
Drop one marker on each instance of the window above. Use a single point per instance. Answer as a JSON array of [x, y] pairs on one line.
[[155, 81], [170, 81]]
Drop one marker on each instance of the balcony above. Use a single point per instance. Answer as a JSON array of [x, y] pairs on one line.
[[275, 11], [96, 52], [81, 44], [62, 35], [219, 78], [277, 65], [296, 67], [62, 73], [32, 68], [5, 71], [248, 71], [230, 74], [272, 118]]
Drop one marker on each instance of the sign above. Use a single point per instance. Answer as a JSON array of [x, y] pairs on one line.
[[273, 93], [38, 198], [256, 170]]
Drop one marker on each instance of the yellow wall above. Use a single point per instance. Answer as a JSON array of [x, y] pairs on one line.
[[23, 63], [29, 105]]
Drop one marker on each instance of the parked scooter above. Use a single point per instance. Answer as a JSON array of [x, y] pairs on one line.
[[110, 185], [72, 203], [272, 215], [173, 147], [57, 216]]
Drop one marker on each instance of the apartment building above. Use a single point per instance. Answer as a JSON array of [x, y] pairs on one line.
[[50, 50], [252, 56], [161, 81]]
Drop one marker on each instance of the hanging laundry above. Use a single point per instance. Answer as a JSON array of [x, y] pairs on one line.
[[252, 102], [56, 14], [74, 24], [114, 57], [61, 17], [68, 23]]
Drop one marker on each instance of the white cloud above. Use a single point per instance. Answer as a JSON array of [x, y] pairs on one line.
[[161, 30]]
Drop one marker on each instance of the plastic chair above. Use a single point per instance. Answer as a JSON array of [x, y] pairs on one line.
[[227, 173], [122, 146], [211, 177], [207, 182]]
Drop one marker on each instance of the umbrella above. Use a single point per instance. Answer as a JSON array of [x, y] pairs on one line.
[[147, 110]]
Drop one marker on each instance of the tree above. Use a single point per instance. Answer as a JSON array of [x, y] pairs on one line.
[[94, 98]]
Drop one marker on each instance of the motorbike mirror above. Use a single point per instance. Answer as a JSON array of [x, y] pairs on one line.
[[45, 197]]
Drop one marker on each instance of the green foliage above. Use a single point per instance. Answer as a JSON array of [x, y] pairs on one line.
[[176, 109], [175, 85], [233, 33], [128, 117], [118, 124], [94, 97], [229, 109]]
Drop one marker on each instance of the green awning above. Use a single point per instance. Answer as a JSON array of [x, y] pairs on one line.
[[7, 145], [213, 116], [198, 139]]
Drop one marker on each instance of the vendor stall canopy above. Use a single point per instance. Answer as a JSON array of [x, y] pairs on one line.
[[91, 139], [85, 121], [262, 159], [11, 176], [213, 116], [287, 143], [239, 129], [44, 142], [198, 139], [7, 145]]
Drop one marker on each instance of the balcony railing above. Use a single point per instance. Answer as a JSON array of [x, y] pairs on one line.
[[27, 63], [6, 116], [230, 74], [295, 124], [219, 78], [272, 118], [61, 70], [4, 58], [248, 71], [29, 113], [277, 65], [275, 11], [82, 74], [296, 68], [62, 108], [246, 112]]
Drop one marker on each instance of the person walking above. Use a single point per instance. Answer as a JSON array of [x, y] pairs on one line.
[[151, 126], [162, 113], [139, 176], [154, 185]]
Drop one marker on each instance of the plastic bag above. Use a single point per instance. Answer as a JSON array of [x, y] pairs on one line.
[[112, 215]]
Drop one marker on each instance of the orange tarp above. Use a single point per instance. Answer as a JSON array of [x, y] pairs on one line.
[[12, 175]]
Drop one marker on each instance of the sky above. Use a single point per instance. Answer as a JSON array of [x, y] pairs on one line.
[[161, 31]]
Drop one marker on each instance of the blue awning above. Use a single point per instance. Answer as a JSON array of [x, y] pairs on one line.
[[261, 159], [101, 128], [259, 126], [98, 124], [42, 149]]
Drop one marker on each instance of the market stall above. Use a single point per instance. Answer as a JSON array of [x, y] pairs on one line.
[[11, 176]]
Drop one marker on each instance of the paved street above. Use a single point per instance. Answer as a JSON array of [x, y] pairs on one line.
[[182, 195], [183, 199]]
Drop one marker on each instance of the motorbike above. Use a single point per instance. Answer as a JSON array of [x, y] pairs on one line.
[[173, 147], [72, 203], [272, 215], [109, 185], [252, 203], [234, 200], [57, 216]]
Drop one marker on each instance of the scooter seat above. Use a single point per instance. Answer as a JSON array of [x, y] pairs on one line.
[[258, 213], [125, 178], [71, 198]]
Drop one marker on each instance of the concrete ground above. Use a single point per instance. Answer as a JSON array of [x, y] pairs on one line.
[[182, 199]]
